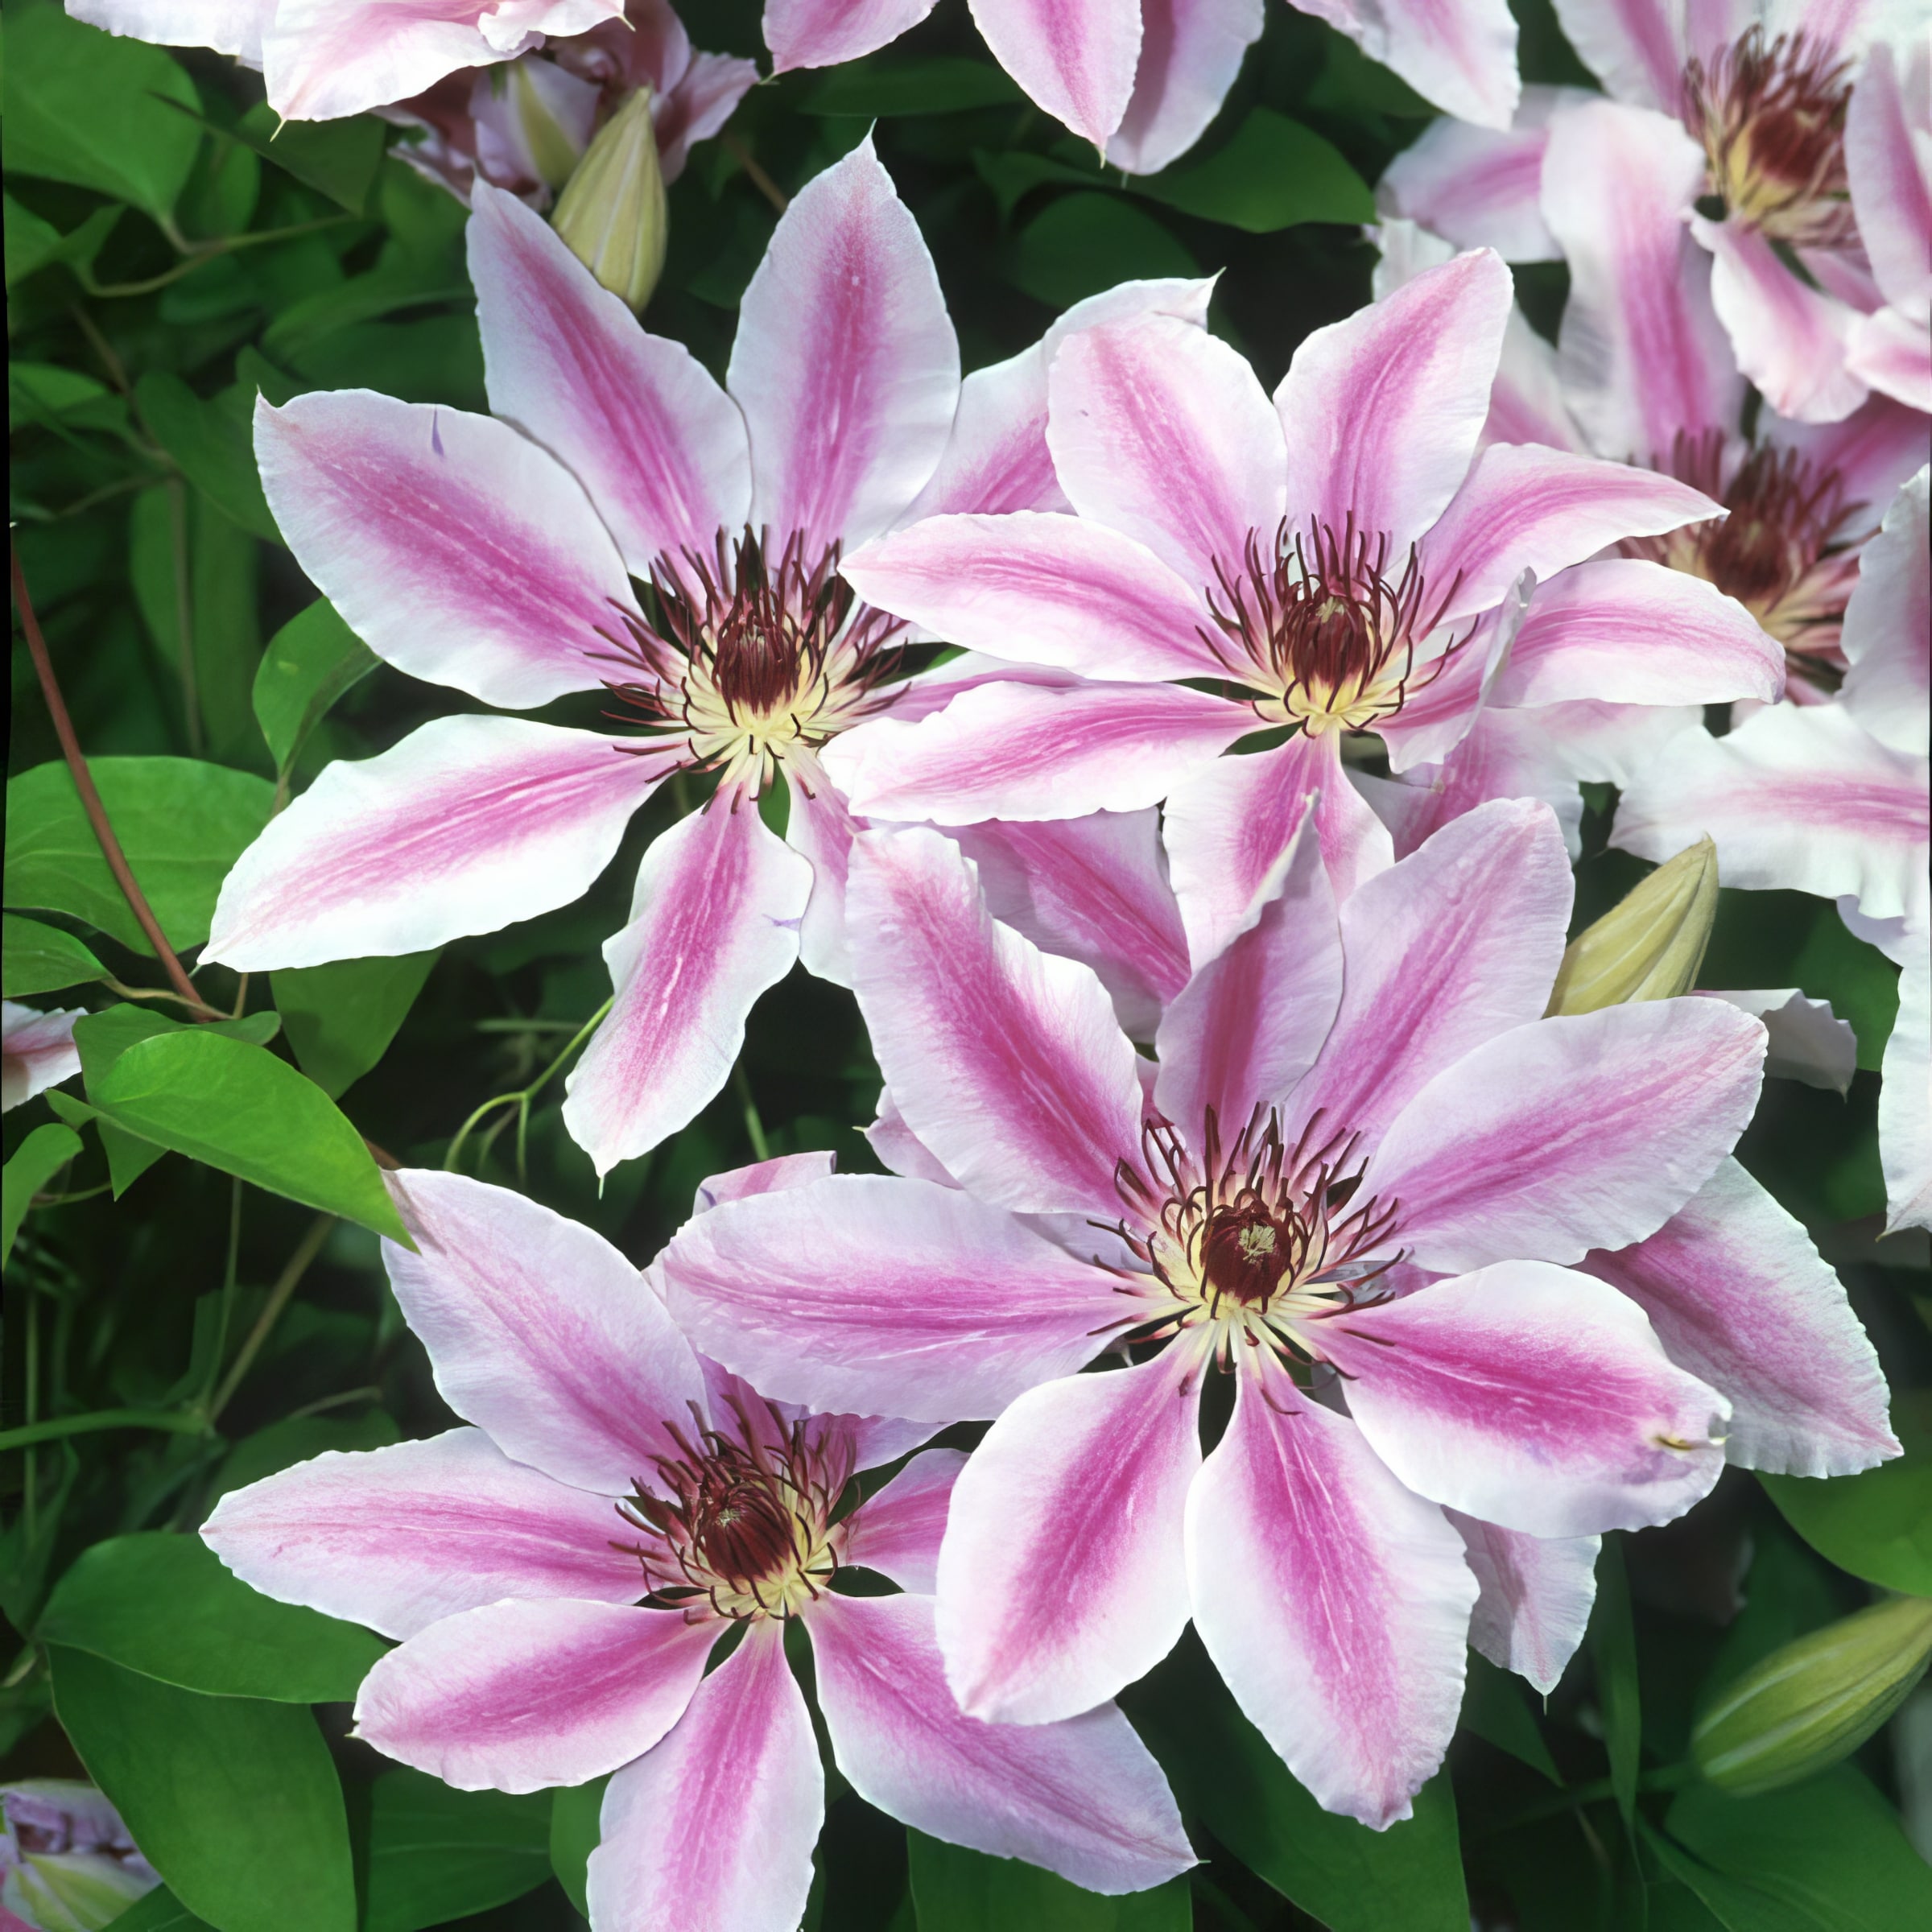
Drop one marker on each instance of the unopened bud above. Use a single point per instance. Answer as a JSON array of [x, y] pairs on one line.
[[1649, 945], [1816, 1700], [612, 213], [552, 152]]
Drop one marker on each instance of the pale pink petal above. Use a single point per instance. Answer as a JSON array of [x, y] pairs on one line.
[[1586, 1131], [1190, 52], [1161, 431], [820, 830], [468, 824], [1227, 826], [1333, 1601], [1443, 701], [865, 1293], [1455, 946], [1458, 54], [1527, 403], [1805, 1039], [1382, 411], [714, 923], [1633, 633], [638, 420], [1643, 356], [37, 1051], [901, 1149], [822, 33], [519, 1695], [1875, 450], [1891, 353], [1904, 1097], [1636, 48], [1013, 750], [845, 365], [1888, 624], [1525, 508], [712, 1831], [897, 1531], [453, 546], [774, 1176], [1536, 1593], [1007, 1062], [229, 26], [703, 98], [1069, 593], [1075, 62], [398, 1538], [1887, 167], [539, 1331], [1738, 1295], [1061, 1576], [1083, 1797], [1801, 798]]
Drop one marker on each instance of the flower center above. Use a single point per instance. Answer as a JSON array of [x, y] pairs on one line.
[[1318, 626], [741, 1520], [755, 661], [1771, 117]]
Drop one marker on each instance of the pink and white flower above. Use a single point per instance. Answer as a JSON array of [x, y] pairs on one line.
[[1362, 1176], [496, 555], [1340, 560], [37, 1051], [1141, 79], [560, 1571]]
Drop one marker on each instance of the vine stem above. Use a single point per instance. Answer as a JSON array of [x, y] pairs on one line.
[[522, 1096], [175, 1421], [286, 1284], [90, 798]]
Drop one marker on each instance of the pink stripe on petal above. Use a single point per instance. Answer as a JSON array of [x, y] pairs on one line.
[[1891, 353], [845, 365], [1636, 48], [515, 1696], [1382, 411], [454, 548], [1536, 1593], [1083, 1799], [399, 1538], [712, 1831], [1190, 52], [1077, 60], [897, 1531], [1528, 1395], [539, 1331], [1875, 450], [1738, 1295], [1333, 1600], [468, 824], [774, 1176], [944, 1308], [1586, 1131], [1060, 1575], [1891, 173], [640, 421], [1007, 1062], [714, 923], [1458, 54], [823, 33]]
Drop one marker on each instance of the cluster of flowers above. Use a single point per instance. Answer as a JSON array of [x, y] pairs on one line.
[[1485, 1276]]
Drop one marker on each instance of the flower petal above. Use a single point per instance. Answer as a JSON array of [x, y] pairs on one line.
[[1006, 1062], [823, 33], [845, 365], [1888, 687], [944, 1308], [820, 830], [1077, 62], [1060, 1575], [1738, 1295], [638, 420], [468, 825], [1889, 188], [1891, 353], [1586, 1131], [229, 26], [1904, 1097], [454, 547], [1636, 48], [518, 1695], [1190, 52], [1084, 1798], [1382, 411], [714, 923], [712, 1831], [37, 1051], [1333, 1600], [897, 1531], [1536, 1593], [774, 1176], [539, 1331], [1458, 54]]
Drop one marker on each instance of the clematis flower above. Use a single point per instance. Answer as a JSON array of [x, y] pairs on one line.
[[1141, 79], [560, 1571], [1339, 561], [1361, 1178], [67, 1863], [498, 555], [37, 1051], [1833, 799]]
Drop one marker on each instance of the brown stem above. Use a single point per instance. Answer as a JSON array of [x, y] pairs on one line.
[[759, 179], [90, 798]]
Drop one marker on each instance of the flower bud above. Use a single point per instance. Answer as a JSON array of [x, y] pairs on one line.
[[1649, 945], [1816, 1700], [553, 156], [612, 214]]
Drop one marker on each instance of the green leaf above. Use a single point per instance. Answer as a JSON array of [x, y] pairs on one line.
[[340, 158], [1014, 175], [1083, 243], [164, 1605], [943, 84], [341, 1018], [33, 244], [575, 1825], [35, 958], [1272, 174], [213, 446], [82, 107], [160, 1911], [102, 1038], [127, 1159], [1613, 1644], [1494, 1709], [296, 1438], [182, 824], [237, 1106], [233, 1801], [956, 1890], [435, 1854], [310, 662], [48, 393], [35, 1162]]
